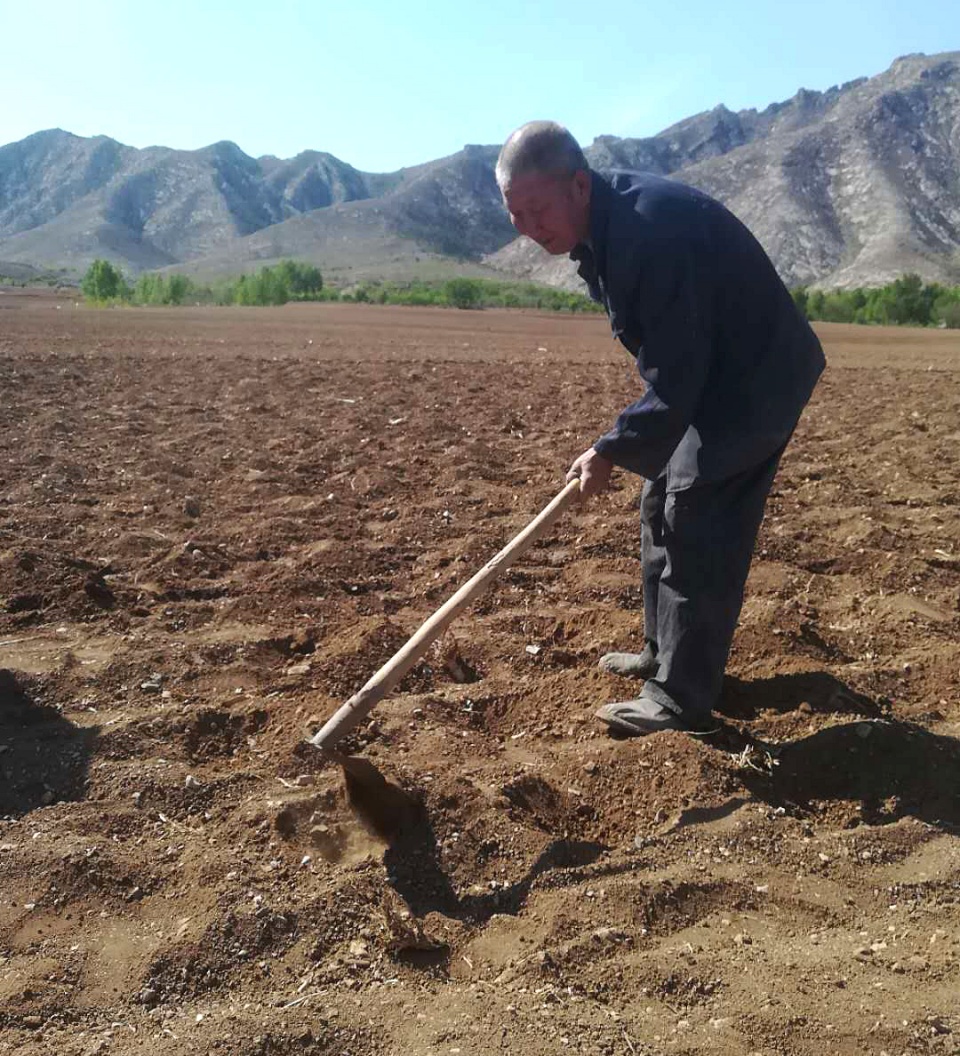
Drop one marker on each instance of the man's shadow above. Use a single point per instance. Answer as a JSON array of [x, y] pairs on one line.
[[891, 768], [44, 758], [887, 767], [814, 691]]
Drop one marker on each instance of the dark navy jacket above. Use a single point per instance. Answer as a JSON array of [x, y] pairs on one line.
[[728, 361]]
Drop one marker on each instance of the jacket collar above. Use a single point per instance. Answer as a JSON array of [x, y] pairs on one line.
[[587, 255]]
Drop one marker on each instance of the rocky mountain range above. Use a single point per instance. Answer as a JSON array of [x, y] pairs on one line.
[[851, 186]]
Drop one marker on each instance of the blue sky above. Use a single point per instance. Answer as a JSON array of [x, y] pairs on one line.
[[384, 84]]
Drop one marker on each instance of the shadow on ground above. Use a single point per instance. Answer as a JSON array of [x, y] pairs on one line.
[[881, 769], [414, 869], [884, 768], [43, 757], [887, 769], [818, 691]]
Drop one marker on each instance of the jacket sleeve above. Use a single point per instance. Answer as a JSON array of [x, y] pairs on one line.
[[665, 322]]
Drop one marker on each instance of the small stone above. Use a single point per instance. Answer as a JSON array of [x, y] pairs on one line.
[[864, 729], [607, 934], [148, 997], [191, 506], [591, 767], [863, 952], [359, 951], [742, 940], [33, 1022], [305, 780], [191, 782], [151, 686], [805, 707], [47, 798]]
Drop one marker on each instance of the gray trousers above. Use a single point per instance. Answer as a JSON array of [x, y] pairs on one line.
[[696, 547]]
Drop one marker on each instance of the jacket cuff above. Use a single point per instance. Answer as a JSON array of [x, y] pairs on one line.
[[606, 446]]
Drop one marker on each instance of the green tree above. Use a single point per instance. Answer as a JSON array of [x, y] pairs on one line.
[[837, 307], [302, 280], [267, 286], [815, 301], [463, 293], [906, 300], [179, 287], [103, 282], [946, 307]]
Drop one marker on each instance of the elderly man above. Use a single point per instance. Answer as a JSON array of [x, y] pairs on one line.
[[728, 365]]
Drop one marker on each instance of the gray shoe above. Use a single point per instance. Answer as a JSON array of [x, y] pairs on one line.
[[634, 718], [632, 665]]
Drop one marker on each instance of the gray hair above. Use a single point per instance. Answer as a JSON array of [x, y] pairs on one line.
[[541, 147]]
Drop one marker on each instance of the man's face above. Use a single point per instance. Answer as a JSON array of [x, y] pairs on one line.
[[552, 210]]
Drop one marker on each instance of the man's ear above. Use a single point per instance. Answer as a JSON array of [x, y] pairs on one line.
[[581, 184]]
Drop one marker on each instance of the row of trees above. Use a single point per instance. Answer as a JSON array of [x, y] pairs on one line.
[[104, 283], [907, 301], [471, 293]]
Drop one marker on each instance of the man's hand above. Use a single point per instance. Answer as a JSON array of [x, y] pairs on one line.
[[594, 472]]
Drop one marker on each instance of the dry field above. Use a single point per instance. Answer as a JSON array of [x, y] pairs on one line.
[[215, 524]]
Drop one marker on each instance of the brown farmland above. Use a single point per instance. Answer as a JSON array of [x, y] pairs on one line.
[[215, 524]]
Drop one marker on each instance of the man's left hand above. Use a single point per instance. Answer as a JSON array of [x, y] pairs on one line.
[[594, 472]]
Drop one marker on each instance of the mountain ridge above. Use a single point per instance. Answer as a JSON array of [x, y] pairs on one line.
[[851, 185]]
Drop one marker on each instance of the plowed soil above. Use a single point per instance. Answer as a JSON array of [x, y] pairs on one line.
[[216, 524]]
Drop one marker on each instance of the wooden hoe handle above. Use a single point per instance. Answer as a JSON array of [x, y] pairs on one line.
[[356, 709]]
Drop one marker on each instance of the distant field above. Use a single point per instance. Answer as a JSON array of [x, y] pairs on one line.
[[788, 886]]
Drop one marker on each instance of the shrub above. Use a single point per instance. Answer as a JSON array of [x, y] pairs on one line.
[[463, 293], [103, 282], [907, 301], [303, 281]]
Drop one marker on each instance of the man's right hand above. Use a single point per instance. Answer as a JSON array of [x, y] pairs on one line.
[[594, 472]]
